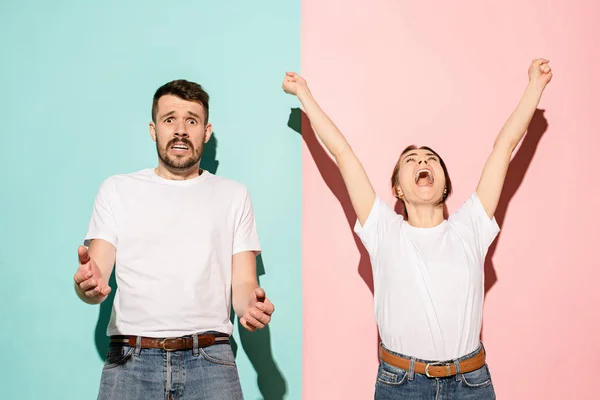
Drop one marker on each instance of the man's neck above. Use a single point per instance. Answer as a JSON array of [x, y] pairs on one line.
[[177, 174]]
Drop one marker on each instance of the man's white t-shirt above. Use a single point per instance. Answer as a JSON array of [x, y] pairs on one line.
[[429, 282], [175, 240]]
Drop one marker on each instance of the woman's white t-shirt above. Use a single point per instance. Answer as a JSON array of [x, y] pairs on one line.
[[429, 281]]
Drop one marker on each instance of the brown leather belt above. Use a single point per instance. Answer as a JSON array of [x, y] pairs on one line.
[[434, 369], [171, 344]]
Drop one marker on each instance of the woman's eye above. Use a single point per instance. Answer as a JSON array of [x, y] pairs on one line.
[[410, 159]]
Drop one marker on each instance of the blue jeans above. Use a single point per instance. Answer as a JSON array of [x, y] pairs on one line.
[[396, 383], [208, 373]]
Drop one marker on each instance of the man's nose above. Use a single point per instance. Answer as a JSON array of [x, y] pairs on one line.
[[181, 131]]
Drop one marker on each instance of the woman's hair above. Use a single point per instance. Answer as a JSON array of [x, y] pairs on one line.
[[394, 179]]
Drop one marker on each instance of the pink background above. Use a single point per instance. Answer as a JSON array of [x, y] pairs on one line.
[[392, 73]]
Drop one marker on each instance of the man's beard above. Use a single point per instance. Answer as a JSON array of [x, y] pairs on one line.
[[179, 163]]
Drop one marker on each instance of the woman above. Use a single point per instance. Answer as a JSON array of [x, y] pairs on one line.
[[428, 271]]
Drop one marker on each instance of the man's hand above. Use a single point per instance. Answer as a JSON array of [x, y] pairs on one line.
[[540, 73], [259, 312], [88, 278], [294, 84]]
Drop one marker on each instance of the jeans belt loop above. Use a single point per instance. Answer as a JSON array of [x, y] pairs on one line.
[[195, 351], [457, 366], [411, 369], [138, 345]]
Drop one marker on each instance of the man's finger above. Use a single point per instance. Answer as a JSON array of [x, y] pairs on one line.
[[106, 291], [93, 292], [88, 284], [83, 254], [81, 275], [250, 320], [245, 325], [259, 294], [99, 291], [270, 307], [260, 316], [267, 307]]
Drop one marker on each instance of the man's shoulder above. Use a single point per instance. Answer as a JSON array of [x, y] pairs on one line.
[[226, 184], [112, 182], [145, 173]]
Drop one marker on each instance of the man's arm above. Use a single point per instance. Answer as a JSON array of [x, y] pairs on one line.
[[249, 301], [95, 266]]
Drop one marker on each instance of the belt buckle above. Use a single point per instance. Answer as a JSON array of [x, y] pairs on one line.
[[164, 343], [438, 364]]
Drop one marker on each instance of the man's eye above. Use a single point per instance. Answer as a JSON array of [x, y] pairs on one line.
[[192, 121], [169, 120]]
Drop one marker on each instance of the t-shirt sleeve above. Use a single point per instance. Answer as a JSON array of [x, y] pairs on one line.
[[102, 222], [376, 226], [245, 235], [471, 216]]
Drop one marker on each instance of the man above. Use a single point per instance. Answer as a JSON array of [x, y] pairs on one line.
[[185, 245]]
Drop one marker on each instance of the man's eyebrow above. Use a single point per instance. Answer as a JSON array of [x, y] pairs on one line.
[[167, 114], [194, 114]]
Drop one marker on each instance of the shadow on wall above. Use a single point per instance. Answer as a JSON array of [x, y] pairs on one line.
[[329, 171], [256, 345], [514, 178], [298, 121], [209, 160]]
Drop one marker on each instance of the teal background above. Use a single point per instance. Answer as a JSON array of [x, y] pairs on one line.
[[77, 79]]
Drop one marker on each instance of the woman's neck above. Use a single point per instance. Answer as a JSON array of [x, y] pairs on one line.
[[425, 216]]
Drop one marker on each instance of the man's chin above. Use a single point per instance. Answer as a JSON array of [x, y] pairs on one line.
[[179, 164]]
